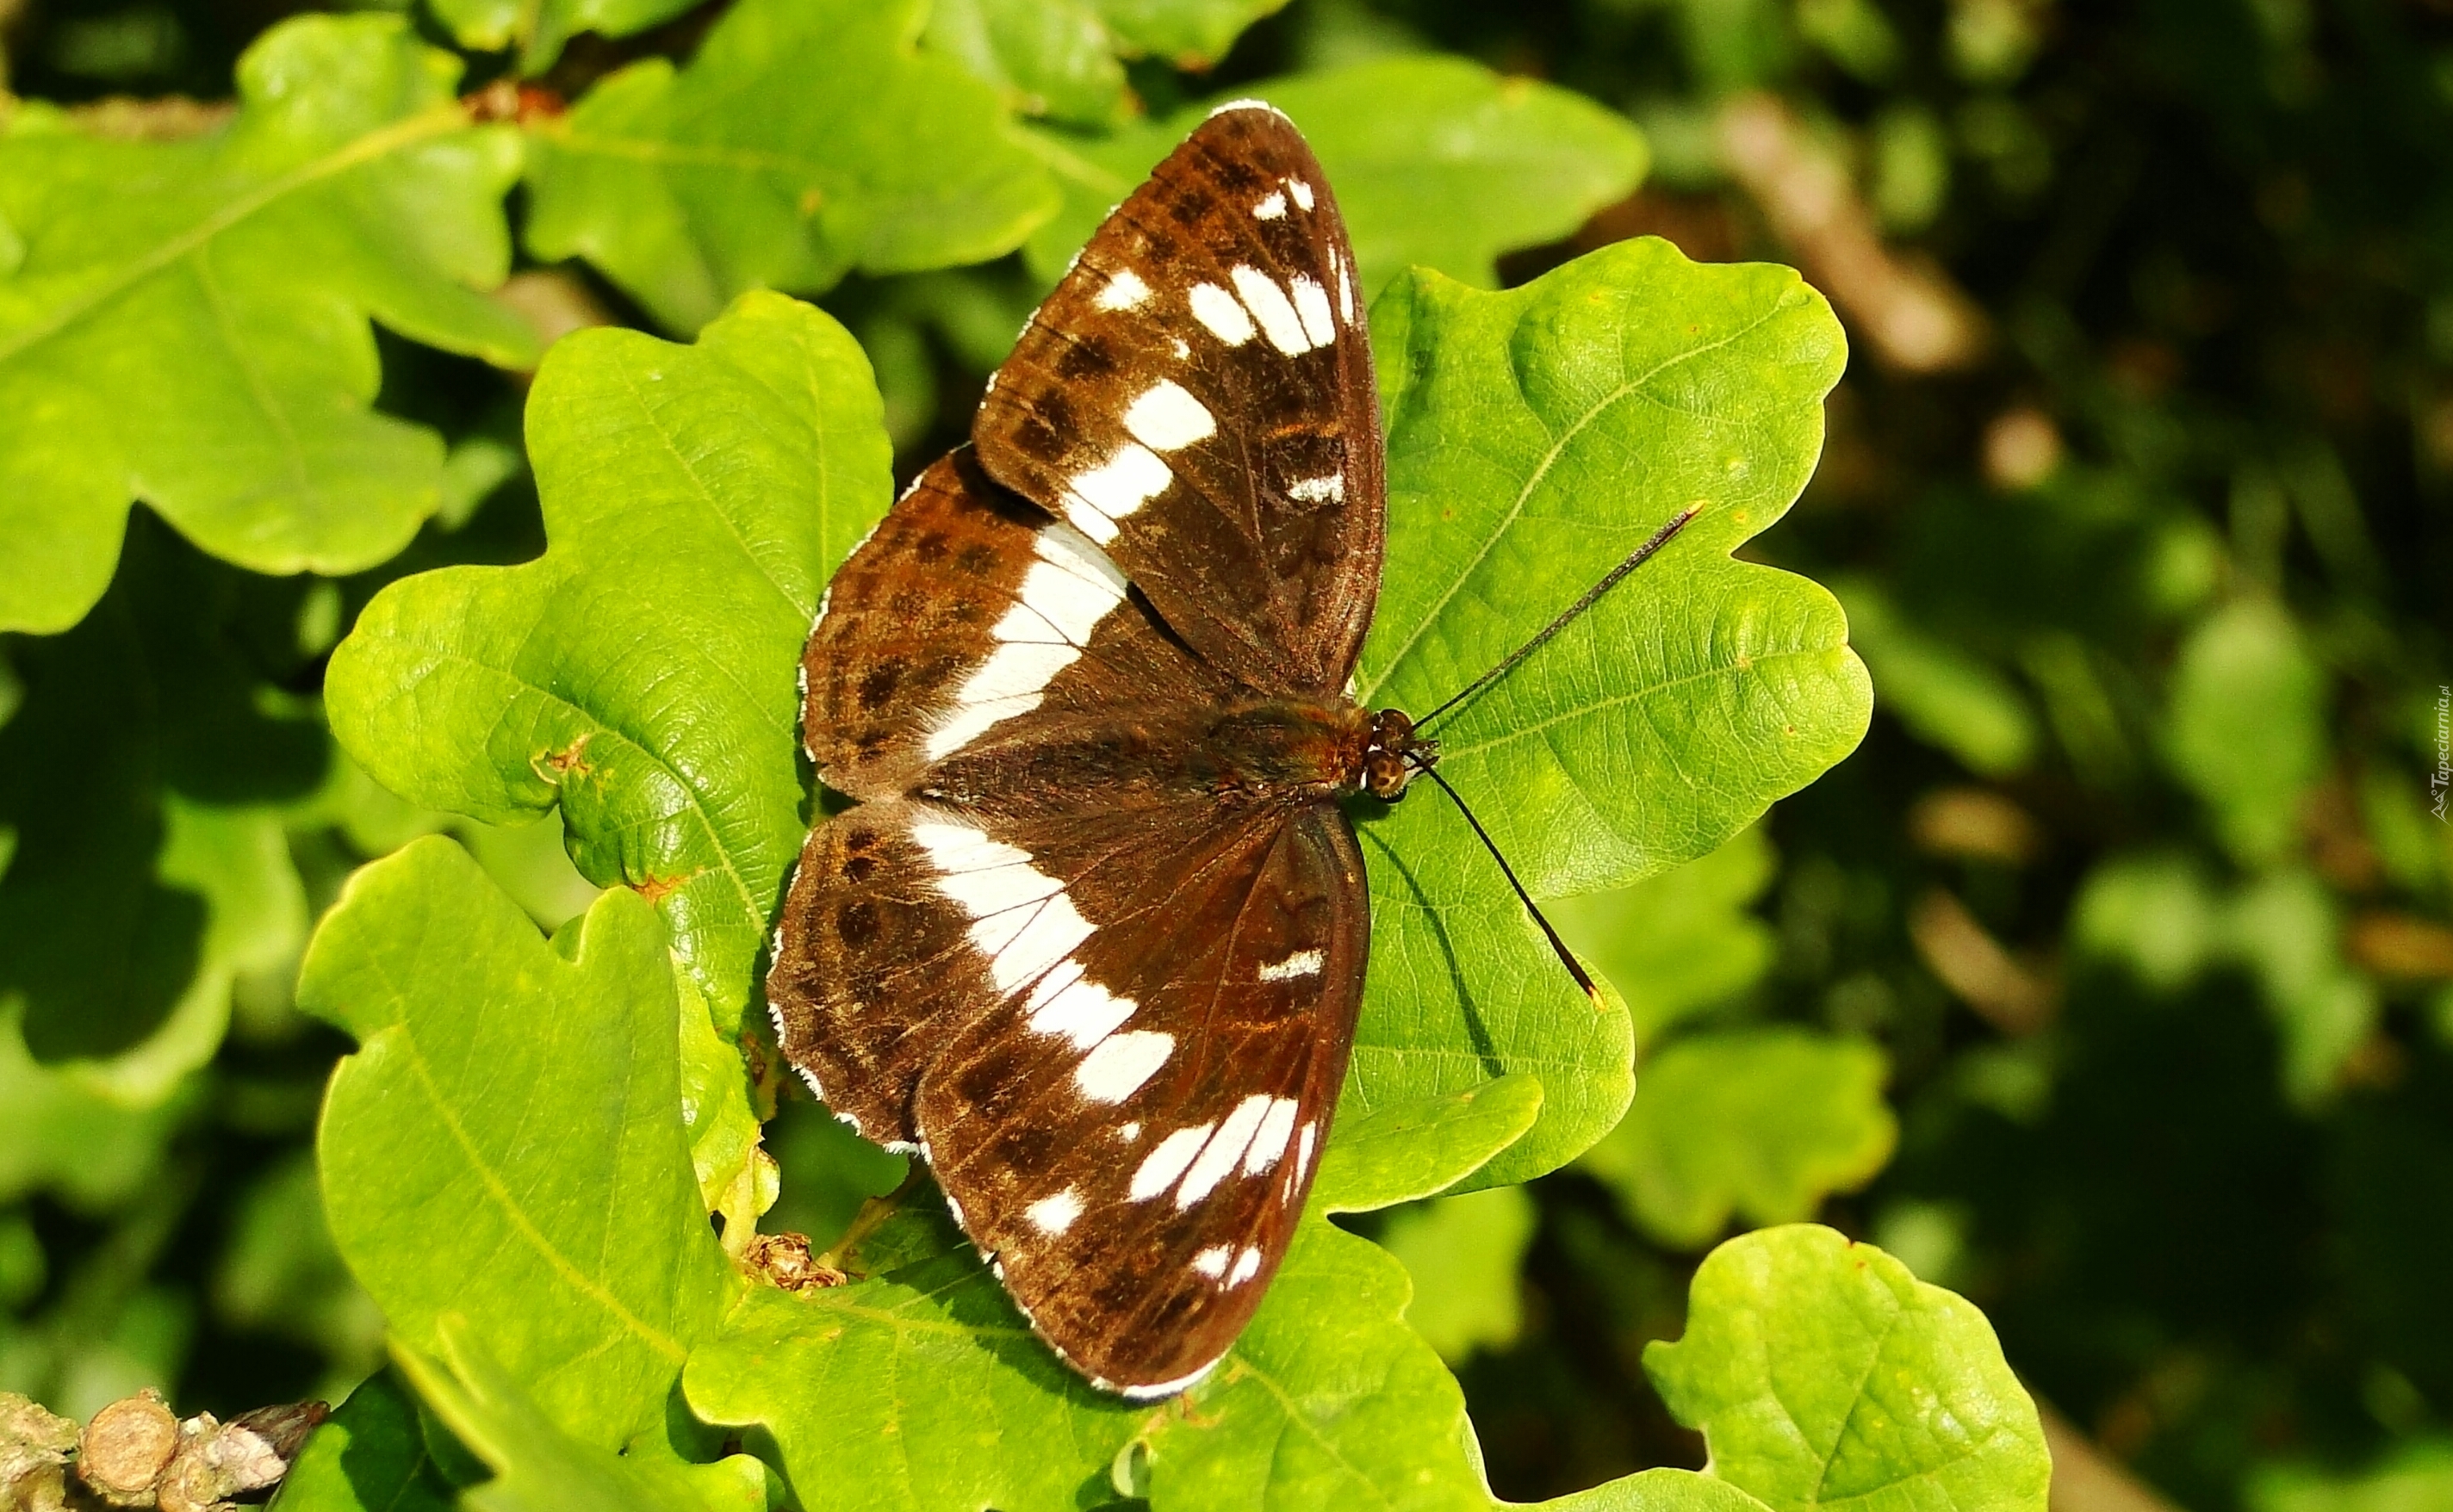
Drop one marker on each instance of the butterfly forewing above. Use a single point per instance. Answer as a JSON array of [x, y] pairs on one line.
[[1197, 396], [1094, 938]]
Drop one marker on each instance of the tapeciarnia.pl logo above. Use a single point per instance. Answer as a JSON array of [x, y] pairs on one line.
[[2440, 783]]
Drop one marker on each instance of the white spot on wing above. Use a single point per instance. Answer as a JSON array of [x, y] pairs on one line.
[[1097, 499], [1248, 1265], [1168, 418], [1269, 1141], [1268, 303], [1124, 291], [1300, 964], [1303, 1151], [1022, 936], [1115, 1069], [1065, 595], [1221, 312], [1345, 286], [1054, 1215], [1211, 1261], [1130, 1132], [1301, 190], [1311, 303], [1162, 1166], [1270, 209], [1084, 1012], [1225, 1149], [1319, 490]]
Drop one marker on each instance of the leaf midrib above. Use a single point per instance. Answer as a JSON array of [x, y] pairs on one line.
[[438, 121], [662, 1343]]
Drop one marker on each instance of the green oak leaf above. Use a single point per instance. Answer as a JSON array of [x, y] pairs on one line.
[[2247, 731], [371, 1457], [920, 1387], [1655, 1491], [144, 783], [642, 673], [983, 1415], [349, 184], [1053, 58], [806, 138], [1436, 161], [1761, 1123], [507, 1144], [1462, 1254], [1380, 1157], [1535, 437], [539, 28], [538, 1467], [1188, 33], [1821, 1373], [1680, 943]]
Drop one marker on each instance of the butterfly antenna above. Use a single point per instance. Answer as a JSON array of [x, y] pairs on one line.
[[1567, 957], [1616, 575]]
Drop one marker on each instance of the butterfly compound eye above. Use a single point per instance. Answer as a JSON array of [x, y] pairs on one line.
[[1384, 774]]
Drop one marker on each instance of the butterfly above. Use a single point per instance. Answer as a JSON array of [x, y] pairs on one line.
[[1091, 940]]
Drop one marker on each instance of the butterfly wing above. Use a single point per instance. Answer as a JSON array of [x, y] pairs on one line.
[[1132, 1135], [1197, 397]]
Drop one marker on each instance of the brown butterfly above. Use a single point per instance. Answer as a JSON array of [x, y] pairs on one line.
[[1092, 939]]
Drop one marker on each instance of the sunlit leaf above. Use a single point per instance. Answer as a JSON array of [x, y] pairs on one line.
[[539, 1468], [507, 1145], [1055, 58], [1436, 161], [805, 138], [349, 185], [1680, 942], [642, 673], [2246, 724], [368, 1457], [539, 28], [1462, 1254], [1535, 437], [1820, 1372], [1760, 1124]]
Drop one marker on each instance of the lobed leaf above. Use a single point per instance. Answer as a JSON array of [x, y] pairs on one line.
[[2247, 724], [1055, 58], [1188, 33], [1437, 162], [1535, 437], [919, 1388], [538, 1467], [1760, 1124], [642, 673], [539, 28], [349, 184], [507, 1144], [1820, 1372], [370, 1456], [805, 138], [1682, 943], [1464, 1255]]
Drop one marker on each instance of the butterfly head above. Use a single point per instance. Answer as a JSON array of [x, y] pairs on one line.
[[1394, 755]]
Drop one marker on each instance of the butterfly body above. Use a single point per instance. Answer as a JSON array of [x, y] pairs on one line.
[[1093, 937]]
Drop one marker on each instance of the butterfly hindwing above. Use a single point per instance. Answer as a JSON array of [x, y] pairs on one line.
[[1197, 396], [1132, 1132]]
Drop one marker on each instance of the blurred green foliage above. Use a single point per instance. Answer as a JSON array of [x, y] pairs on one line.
[[2111, 982]]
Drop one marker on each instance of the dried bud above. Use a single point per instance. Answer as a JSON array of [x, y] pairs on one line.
[[34, 1444], [127, 1446]]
